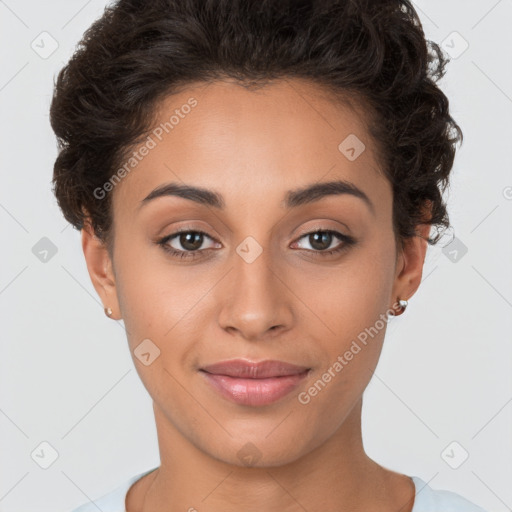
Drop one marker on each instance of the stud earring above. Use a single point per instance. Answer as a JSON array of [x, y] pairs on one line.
[[403, 304], [108, 311]]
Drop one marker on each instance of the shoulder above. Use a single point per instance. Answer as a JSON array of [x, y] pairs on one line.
[[114, 501], [434, 500]]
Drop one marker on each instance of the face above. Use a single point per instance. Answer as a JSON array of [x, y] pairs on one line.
[[263, 270]]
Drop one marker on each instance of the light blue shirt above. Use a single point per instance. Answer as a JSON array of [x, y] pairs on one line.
[[426, 500]]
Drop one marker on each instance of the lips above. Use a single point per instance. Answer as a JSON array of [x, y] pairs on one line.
[[254, 383], [254, 370]]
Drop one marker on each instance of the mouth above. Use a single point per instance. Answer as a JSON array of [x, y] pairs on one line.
[[254, 383]]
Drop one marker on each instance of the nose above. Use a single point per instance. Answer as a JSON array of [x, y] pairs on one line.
[[256, 298]]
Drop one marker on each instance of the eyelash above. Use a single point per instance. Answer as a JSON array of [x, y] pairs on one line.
[[346, 240]]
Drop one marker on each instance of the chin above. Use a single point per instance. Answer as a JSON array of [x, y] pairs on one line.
[[256, 451]]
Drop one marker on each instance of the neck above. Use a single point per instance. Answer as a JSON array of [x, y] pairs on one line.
[[336, 475]]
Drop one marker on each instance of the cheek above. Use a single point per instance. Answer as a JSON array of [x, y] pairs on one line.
[[143, 292], [162, 303], [352, 303], [352, 295], [349, 353]]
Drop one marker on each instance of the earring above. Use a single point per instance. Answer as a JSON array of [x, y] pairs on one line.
[[108, 311], [403, 304]]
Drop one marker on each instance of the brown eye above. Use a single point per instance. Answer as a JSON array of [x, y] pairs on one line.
[[323, 242], [186, 243], [191, 241], [320, 240]]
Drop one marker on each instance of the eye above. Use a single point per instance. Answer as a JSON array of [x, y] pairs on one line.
[[185, 243], [322, 241], [188, 244]]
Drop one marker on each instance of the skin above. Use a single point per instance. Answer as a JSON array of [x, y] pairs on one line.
[[290, 304]]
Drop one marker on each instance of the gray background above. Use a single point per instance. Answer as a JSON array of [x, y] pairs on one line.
[[67, 378]]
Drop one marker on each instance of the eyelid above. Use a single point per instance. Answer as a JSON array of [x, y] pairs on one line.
[[320, 225]]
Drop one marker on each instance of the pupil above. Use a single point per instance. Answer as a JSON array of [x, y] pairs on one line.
[[325, 240], [187, 241]]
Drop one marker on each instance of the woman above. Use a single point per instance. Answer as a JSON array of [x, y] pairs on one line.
[[256, 183]]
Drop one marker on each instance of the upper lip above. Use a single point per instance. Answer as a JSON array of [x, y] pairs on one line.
[[243, 368]]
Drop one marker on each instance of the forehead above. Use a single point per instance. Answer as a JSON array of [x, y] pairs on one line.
[[259, 141]]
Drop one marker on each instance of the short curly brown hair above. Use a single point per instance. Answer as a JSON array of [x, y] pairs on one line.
[[138, 52]]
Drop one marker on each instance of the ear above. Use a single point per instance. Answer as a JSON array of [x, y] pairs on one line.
[[409, 264], [101, 272]]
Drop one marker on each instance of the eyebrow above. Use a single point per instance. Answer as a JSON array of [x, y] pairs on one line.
[[293, 198]]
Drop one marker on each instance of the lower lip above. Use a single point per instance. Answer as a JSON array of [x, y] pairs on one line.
[[254, 391]]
